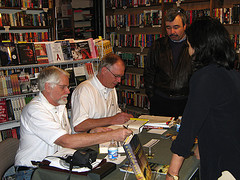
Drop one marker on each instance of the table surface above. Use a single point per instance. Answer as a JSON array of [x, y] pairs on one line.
[[162, 155]]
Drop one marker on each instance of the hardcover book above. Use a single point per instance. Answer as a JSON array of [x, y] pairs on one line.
[[8, 54], [41, 52], [137, 157], [26, 53]]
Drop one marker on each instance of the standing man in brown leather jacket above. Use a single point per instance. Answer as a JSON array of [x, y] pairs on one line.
[[168, 68]]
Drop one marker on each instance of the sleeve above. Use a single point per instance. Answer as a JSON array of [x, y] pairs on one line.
[[43, 124], [202, 97], [149, 71], [81, 103], [116, 97]]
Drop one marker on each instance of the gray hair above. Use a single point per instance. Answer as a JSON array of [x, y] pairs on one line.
[[172, 13], [50, 75], [109, 60]]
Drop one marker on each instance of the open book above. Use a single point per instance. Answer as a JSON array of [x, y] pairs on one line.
[[135, 124]]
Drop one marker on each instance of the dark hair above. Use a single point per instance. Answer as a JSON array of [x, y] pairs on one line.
[[211, 42], [109, 60], [172, 13]]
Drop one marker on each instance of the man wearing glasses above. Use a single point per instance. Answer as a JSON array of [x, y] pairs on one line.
[[94, 101], [45, 127]]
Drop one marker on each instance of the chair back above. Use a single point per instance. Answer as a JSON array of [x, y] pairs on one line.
[[8, 150]]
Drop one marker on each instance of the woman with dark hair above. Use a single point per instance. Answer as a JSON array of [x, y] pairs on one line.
[[212, 112]]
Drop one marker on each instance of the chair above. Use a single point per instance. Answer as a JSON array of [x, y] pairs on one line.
[[8, 150]]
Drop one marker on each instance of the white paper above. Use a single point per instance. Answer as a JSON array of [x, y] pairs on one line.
[[157, 131], [64, 152], [119, 160]]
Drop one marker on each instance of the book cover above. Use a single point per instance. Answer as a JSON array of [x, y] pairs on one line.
[[26, 53], [79, 74], [10, 110], [72, 81], [66, 49], [8, 54], [24, 82], [137, 157], [41, 52], [3, 111], [55, 50], [81, 50]]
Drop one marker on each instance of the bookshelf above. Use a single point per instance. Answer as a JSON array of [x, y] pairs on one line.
[[26, 24], [132, 26]]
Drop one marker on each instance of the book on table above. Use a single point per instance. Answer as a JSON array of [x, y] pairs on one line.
[[137, 158], [135, 124], [158, 121]]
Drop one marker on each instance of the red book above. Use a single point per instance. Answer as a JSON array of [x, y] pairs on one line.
[[14, 133]]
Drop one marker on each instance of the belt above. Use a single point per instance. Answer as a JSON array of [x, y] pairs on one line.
[[24, 168]]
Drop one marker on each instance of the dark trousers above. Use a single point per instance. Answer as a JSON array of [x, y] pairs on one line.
[[163, 106]]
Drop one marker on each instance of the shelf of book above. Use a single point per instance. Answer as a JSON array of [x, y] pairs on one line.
[[9, 124], [50, 64]]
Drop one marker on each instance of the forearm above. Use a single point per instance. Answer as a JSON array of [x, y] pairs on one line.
[[76, 141], [92, 123], [175, 165]]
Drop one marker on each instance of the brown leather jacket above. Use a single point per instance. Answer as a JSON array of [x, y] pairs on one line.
[[160, 76]]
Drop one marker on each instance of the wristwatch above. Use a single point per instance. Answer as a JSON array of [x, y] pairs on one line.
[[175, 177]]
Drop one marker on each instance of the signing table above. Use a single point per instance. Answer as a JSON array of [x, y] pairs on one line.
[[162, 154]]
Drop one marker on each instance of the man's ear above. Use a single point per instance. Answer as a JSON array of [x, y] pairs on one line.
[[48, 87], [103, 70]]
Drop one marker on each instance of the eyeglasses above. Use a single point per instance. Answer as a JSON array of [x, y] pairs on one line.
[[63, 86], [116, 76]]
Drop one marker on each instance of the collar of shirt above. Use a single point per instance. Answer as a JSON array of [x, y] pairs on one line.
[[103, 90], [49, 106]]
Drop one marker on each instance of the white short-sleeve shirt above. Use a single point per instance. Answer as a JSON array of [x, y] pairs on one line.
[[92, 100], [41, 125]]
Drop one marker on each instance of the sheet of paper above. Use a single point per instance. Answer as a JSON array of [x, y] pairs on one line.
[[157, 131], [59, 163], [151, 143], [119, 160]]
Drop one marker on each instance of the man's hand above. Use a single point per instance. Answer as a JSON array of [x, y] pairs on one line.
[[121, 118], [121, 134], [100, 129]]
